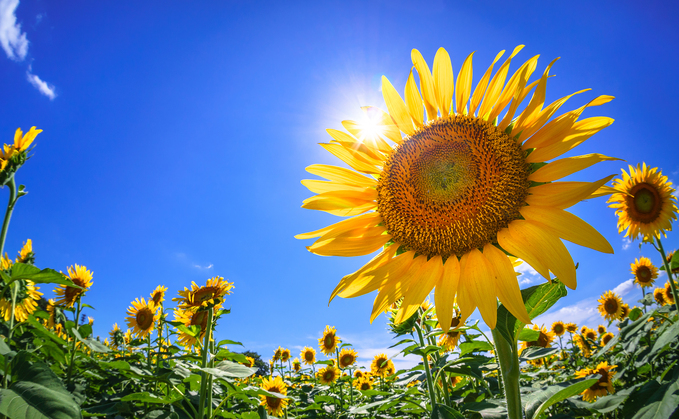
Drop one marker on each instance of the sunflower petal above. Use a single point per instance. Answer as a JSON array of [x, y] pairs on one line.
[[567, 226], [341, 175], [463, 86], [496, 85], [506, 284], [421, 285], [515, 86], [563, 194], [537, 101], [443, 81], [378, 261], [397, 108], [580, 132], [353, 143], [478, 278], [481, 86], [536, 123], [464, 301], [516, 243], [369, 281], [446, 289], [396, 287], [386, 124], [322, 186], [561, 168], [351, 246], [426, 83], [362, 221], [358, 162], [414, 101], [376, 142]]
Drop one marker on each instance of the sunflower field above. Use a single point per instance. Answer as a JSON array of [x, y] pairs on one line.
[[453, 187]]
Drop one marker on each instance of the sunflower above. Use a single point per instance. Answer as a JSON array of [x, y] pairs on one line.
[[249, 362], [448, 340], [571, 327], [644, 272], [603, 386], [544, 340], [455, 380], [359, 374], [277, 354], [285, 355], [116, 336], [668, 258], [296, 365], [328, 343], [601, 329], [211, 294], [645, 204], [659, 295], [27, 296], [26, 254], [347, 357], [450, 199], [52, 311], [158, 295], [610, 305], [328, 375], [606, 337], [583, 345], [381, 366], [669, 297], [274, 405], [558, 328], [6, 262], [69, 295], [23, 141], [191, 318], [625, 312], [363, 383], [308, 355], [142, 317], [590, 334]]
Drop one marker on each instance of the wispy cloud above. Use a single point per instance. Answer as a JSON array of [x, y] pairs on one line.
[[626, 243], [624, 287], [15, 44], [185, 260], [528, 274], [13, 41]]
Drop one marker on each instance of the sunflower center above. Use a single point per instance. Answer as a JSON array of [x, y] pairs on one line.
[[558, 328], [452, 186], [643, 274], [646, 203], [329, 341], [308, 356], [611, 306], [144, 318]]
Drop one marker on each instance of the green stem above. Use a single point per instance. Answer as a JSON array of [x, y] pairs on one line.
[[211, 363], [509, 365], [204, 375], [643, 296], [8, 213], [70, 364], [430, 384], [5, 378], [673, 286]]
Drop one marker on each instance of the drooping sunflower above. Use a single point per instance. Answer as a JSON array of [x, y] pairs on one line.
[[610, 305], [117, 336], [603, 386], [645, 204], [644, 272], [571, 327], [601, 329], [669, 297], [26, 254], [69, 295], [274, 405], [452, 193], [669, 257], [625, 312], [544, 340], [191, 318], [328, 375], [659, 296], [158, 295], [143, 315], [277, 354], [448, 340], [211, 294], [558, 328], [363, 383], [381, 366], [347, 357], [27, 296], [285, 355], [296, 365], [606, 337], [328, 342], [308, 355], [581, 343], [249, 362]]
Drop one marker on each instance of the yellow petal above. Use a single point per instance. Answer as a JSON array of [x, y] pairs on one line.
[[495, 86], [362, 221], [343, 203], [358, 162], [446, 289], [443, 81], [371, 280], [351, 142], [519, 96], [563, 194], [480, 90], [386, 124], [464, 301], [350, 246], [515, 86], [506, 284], [567, 226], [394, 289], [397, 108], [516, 243], [341, 175], [378, 261], [321, 186], [537, 122], [463, 86], [603, 191], [375, 142], [537, 101], [421, 285], [426, 83], [414, 101], [561, 168], [580, 132], [479, 283]]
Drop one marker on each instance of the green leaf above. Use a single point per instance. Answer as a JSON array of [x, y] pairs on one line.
[[147, 397], [537, 300], [666, 338], [42, 330], [635, 313], [117, 365], [426, 350], [528, 335], [228, 369], [563, 394], [228, 342], [661, 404], [93, 344], [441, 411], [45, 276], [536, 352], [475, 346], [161, 414]]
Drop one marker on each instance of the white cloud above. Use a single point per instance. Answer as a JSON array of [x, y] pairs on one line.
[[42, 86], [528, 274], [13, 41], [624, 287], [583, 312], [626, 243], [203, 267]]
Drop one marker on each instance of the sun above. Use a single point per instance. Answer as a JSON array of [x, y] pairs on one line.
[[454, 183]]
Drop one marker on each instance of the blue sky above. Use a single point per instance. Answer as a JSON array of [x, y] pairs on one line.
[[176, 134]]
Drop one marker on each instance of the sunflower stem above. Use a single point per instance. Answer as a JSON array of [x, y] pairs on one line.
[[211, 363], [8, 213], [5, 377], [70, 364], [430, 384], [204, 375], [673, 286], [643, 296], [509, 365]]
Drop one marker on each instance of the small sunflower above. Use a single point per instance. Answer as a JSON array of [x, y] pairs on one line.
[[669, 257], [558, 328], [142, 317], [359, 373], [625, 312], [571, 327], [363, 383], [23, 141], [6, 263], [69, 295], [26, 254], [544, 340], [601, 329], [249, 362], [610, 305], [581, 343], [158, 295], [449, 339], [603, 386], [455, 380], [328, 375], [211, 294], [644, 272], [26, 302], [296, 365], [277, 354], [347, 357], [117, 337], [381, 366], [659, 295], [308, 355], [285, 355], [448, 196], [191, 318], [274, 405], [590, 334], [606, 337], [328, 343], [669, 297], [645, 204]]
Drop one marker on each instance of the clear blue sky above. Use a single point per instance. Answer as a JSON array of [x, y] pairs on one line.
[[176, 135]]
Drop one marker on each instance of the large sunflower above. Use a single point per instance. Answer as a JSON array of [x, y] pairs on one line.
[[142, 317], [465, 186], [69, 295], [328, 342], [601, 387], [26, 302], [211, 294], [328, 375], [274, 405], [645, 204], [644, 272], [610, 305], [191, 318]]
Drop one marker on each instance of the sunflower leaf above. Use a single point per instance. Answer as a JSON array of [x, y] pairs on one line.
[[45, 276], [562, 394]]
